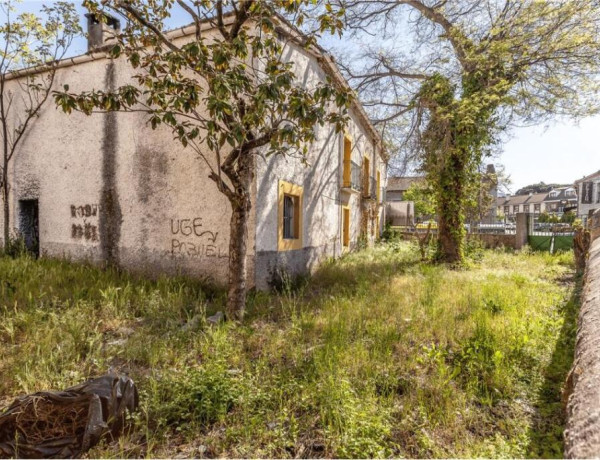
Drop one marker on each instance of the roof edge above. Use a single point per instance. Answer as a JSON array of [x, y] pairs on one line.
[[325, 59], [587, 177]]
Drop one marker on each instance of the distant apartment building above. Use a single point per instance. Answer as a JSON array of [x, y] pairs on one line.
[[556, 201], [588, 189], [533, 203], [561, 200]]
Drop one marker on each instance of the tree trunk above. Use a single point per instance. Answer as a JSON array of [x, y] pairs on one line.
[[241, 204], [581, 248], [451, 231], [5, 159], [6, 208], [238, 238], [450, 242]]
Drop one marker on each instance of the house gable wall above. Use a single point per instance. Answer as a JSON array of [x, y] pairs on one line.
[[112, 190]]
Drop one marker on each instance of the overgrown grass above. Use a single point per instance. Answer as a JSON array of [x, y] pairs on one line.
[[377, 355]]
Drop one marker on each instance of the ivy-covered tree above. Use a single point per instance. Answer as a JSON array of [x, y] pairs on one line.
[[452, 75], [227, 93], [28, 40]]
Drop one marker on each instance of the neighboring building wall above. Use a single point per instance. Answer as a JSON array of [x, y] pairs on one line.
[[493, 241], [397, 187], [394, 195], [588, 191], [582, 433], [401, 213]]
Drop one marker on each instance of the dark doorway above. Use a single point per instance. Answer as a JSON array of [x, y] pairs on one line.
[[29, 225]]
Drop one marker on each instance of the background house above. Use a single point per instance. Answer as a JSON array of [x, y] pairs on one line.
[[561, 200], [397, 187], [588, 189], [533, 203], [557, 201], [400, 212], [108, 188]]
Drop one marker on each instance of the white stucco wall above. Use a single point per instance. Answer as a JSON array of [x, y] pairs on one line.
[[111, 187], [323, 200], [584, 209]]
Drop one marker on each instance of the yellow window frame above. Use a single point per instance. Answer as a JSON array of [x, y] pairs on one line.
[[367, 175], [287, 188], [347, 163], [345, 236]]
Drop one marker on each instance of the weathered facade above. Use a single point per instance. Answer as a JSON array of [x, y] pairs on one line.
[[588, 195], [109, 189]]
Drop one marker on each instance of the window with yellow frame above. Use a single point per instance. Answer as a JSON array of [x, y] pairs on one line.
[[366, 176], [347, 163], [289, 226], [345, 226]]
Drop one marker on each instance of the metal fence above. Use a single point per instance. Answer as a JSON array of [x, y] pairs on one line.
[[501, 228], [541, 236], [547, 236]]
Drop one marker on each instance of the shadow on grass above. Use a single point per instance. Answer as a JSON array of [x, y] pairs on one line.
[[25, 281], [546, 433], [345, 277]]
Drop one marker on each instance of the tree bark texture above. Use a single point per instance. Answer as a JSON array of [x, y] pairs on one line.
[[6, 207], [241, 204], [581, 246], [451, 231], [238, 272]]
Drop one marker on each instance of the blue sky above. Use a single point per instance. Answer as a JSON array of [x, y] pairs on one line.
[[559, 153]]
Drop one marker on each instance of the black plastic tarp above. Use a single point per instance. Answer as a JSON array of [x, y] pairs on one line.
[[65, 424]]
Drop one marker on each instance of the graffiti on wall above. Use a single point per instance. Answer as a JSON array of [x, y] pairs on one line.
[[84, 222], [189, 238]]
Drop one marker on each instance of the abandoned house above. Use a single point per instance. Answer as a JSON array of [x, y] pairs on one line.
[[108, 188]]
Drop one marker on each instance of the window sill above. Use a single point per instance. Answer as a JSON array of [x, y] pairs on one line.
[[350, 190], [289, 245]]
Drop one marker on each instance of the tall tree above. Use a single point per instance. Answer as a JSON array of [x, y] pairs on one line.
[[28, 40], [228, 93], [452, 75]]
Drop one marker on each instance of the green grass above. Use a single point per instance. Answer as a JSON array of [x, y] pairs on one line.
[[377, 355]]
